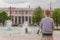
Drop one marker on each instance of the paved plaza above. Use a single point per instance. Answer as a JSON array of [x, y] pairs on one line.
[[18, 33], [56, 36]]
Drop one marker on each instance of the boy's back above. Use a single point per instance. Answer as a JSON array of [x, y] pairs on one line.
[[47, 25]]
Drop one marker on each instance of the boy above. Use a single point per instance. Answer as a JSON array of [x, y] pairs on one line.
[[47, 24]]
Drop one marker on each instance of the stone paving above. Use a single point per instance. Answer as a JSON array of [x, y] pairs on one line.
[[17, 33], [56, 36]]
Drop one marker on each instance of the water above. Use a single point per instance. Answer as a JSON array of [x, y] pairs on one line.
[[18, 30], [8, 24], [25, 24], [8, 29]]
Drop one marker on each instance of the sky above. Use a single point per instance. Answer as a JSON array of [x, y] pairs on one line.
[[32, 3]]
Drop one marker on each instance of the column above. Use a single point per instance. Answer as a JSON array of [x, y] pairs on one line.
[[17, 20], [14, 20], [31, 21], [24, 19], [28, 19], [21, 19]]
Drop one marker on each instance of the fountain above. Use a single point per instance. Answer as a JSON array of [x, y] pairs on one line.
[[8, 24], [25, 26], [10, 29], [19, 30]]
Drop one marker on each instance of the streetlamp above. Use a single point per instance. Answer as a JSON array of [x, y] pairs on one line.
[[10, 11], [51, 1], [50, 5]]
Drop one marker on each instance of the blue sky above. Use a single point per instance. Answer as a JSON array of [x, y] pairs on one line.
[[32, 3]]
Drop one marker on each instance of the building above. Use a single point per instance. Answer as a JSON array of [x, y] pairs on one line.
[[19, 15]]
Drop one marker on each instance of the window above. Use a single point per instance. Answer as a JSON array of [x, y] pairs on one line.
[[19, 12], [26, 12], [15, 12]]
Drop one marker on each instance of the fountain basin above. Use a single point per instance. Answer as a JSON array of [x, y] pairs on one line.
[[12, 30], [17, 30]]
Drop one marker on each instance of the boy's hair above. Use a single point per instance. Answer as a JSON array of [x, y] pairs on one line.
[[47, 12]]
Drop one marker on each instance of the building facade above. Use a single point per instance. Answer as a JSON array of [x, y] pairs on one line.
[[19, 15]]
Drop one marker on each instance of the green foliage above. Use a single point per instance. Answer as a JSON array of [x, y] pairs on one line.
[[37, 15], [56, 16], [8, 18], [3, 17]]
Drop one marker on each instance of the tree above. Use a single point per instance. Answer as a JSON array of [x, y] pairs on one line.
[[56, 16], [3, 17], [37, 15]]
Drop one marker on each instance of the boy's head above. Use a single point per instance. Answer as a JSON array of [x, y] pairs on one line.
[[47, 13]]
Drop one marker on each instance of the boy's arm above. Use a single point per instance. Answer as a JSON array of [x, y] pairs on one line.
[[40, 27], [53, 25], [41, 24]]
